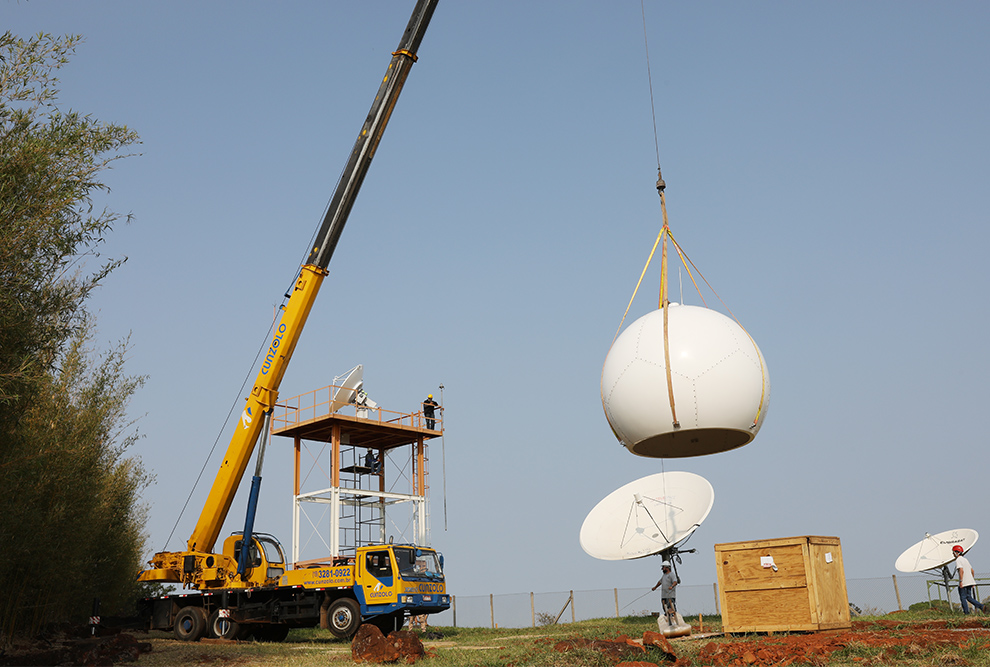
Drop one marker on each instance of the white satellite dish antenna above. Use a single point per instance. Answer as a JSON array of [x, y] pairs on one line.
[[346, 388], [935, 551], [649, 516]]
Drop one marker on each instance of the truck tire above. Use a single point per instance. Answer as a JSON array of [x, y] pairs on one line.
[[222, 627], [190, 624], [345, 618]]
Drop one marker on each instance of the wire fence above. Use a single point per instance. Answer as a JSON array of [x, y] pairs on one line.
[[876, 596]]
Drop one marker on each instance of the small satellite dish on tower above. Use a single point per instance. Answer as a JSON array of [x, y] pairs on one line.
[[935, 551], [649, 516], [346, 388]]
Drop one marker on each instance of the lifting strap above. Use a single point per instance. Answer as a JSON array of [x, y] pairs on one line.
[[664, 303], [685, 260]]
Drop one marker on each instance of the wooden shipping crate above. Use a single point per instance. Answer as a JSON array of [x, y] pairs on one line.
[[803, 587]]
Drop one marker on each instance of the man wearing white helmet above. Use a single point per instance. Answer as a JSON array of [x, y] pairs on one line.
[[668, 582], [967, 581]]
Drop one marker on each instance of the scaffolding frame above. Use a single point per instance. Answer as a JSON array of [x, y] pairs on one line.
[[358, 511]]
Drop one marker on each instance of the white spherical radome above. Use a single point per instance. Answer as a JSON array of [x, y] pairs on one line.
[[720, 384]]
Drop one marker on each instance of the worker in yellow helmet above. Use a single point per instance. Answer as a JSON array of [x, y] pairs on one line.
[[429, 411]]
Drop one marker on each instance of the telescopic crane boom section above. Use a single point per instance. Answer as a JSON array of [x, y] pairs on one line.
[[371, 134], [265, 392]]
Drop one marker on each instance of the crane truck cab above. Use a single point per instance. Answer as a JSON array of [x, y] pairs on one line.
[[380, 584], [266, 560], [401, 577]]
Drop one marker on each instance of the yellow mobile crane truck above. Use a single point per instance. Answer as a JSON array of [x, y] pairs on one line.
[[242, 591]]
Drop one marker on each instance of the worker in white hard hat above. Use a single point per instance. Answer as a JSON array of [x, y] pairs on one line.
[[967, 581], [668, 582], [429, 411]]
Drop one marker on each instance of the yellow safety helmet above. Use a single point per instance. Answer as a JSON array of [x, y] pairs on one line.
[[430, 396]]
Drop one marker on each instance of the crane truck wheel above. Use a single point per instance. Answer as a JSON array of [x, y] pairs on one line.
[[223, 627], [345, 618], [190, 624]]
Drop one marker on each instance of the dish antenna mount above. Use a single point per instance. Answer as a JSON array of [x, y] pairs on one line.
[[648, 517], [934, 553], [349, 390]]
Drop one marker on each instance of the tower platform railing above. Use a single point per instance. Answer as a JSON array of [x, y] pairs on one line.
[[321, 402]]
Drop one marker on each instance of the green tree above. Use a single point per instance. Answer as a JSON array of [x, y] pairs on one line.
[[70, 529], [50, 164]]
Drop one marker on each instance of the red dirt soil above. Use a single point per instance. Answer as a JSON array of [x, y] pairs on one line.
[[883, 641], [893, 638]]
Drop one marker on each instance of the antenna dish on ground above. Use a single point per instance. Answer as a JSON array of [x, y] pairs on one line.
[[935, 551], [647, 516], [346, 389]]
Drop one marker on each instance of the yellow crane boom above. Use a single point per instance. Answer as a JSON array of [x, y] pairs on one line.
[[198, 566]]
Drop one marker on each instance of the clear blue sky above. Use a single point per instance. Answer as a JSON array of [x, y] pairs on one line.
[[827, 169]]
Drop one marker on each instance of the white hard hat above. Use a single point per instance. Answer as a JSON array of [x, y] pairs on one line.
[[666, 563]]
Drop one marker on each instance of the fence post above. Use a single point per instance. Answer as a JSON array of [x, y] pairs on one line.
[[513, 615], [570, 601]]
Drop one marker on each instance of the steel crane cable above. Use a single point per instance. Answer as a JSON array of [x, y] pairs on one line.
[[233, 407], [664, 232], [247, 378], [656, 144], [661, 240], [649, 78]]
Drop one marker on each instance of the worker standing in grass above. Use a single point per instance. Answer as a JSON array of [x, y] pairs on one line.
[[668, 596], [967, 581]]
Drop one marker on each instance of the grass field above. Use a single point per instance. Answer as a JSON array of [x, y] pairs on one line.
[[908, 638]]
